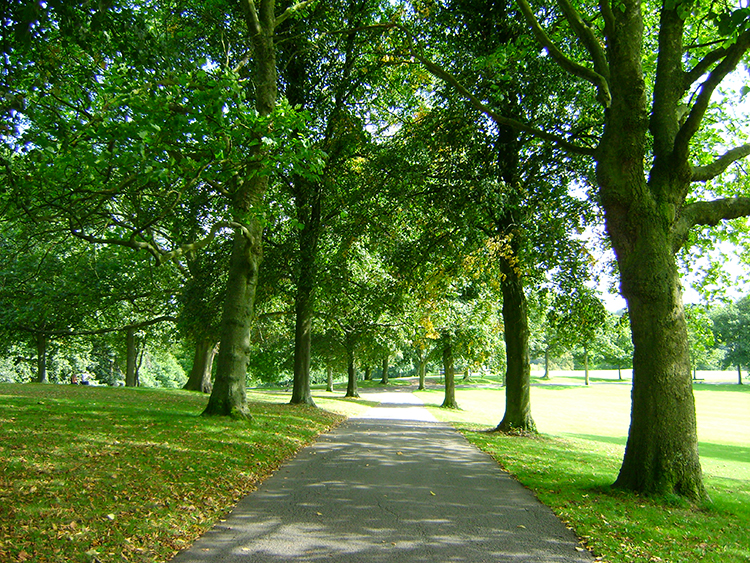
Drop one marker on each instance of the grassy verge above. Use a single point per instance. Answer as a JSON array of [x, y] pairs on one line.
[[129, 474], [576, 458]]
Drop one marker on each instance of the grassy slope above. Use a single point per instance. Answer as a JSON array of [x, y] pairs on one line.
[[128, 474], [578, 455]]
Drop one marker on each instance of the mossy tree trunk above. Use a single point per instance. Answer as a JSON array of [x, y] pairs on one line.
[[228, 396], [386, 365], [329, 379], [131, 369], [517, 417], [351, 371]]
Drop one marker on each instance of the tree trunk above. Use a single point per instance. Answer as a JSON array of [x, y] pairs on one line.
[[739, 375], [422, 369], [41, 358], [384, 377], [661, 456], [131, 359], [368, 372], [329, 379], [586, 379], [228, 397], [546, 364], [351, 385], [203, 361], [301, 393], [517, 416], [450, 380], [642, 212]]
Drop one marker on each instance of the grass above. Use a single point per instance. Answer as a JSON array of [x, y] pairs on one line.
[[135, 474], [572, 464], [93, 473]]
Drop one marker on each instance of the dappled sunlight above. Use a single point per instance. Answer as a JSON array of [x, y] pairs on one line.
[[391, 485]]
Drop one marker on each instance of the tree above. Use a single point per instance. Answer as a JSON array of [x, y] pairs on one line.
[[732, 326], [512, 191], [127, 133], [650, 161], [327, 87]]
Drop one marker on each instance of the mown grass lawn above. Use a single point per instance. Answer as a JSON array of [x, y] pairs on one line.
[[135, 474], [572, 464], [115, 475]]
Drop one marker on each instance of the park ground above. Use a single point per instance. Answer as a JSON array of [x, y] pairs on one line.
[[100, 474]]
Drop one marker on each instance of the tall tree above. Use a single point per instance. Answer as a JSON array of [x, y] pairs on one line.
[[510, 186], [650, 166], [732, 327]]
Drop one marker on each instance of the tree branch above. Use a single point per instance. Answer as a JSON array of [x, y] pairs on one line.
[[586, 35], [732, 58], [442, 74], [711, 171], [708, 213], [160, 254], [603, 94], [291, 10], [251, 17], [702, 67]]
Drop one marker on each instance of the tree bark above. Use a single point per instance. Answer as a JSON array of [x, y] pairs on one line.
[[449, 402], [739, 375], [641, 216], [517, 416], [228, 397], [41, 358], [203, 361], [661, 456], [368, 372], [131, 379], [351, 385], [301, 393], [384, 377], [546, 364]]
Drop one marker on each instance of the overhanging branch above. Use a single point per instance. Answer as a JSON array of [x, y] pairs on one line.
[[708, 213], [711, 171]]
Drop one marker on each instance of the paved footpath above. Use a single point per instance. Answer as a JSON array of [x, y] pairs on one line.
[[391, 486]]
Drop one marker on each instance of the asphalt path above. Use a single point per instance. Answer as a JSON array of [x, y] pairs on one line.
[[391, 486]]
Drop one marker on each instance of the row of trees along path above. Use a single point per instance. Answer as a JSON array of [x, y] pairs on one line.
[[480, 116]]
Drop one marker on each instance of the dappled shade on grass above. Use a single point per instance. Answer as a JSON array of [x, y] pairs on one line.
[[129, 474]]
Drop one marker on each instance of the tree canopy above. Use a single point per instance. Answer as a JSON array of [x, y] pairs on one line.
[[375, 176]]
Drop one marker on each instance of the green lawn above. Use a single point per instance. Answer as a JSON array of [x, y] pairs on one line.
[[129, 474], [583, 433], [135, 474]]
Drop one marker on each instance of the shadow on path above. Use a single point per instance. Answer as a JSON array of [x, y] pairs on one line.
[[390, 486]]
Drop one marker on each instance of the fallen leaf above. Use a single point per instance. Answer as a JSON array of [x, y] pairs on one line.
[[433, 494], [521, 526]]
